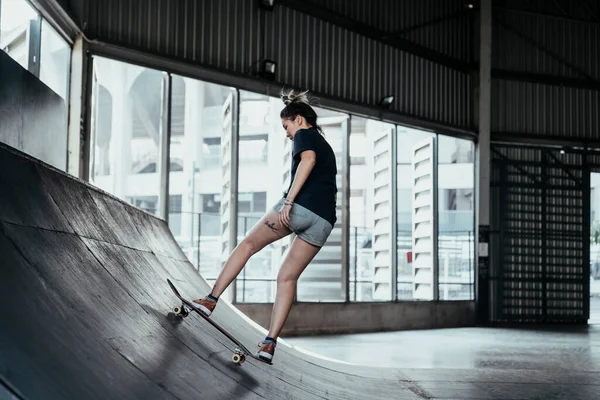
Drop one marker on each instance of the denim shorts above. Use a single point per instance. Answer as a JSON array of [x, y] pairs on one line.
[[307, 225]]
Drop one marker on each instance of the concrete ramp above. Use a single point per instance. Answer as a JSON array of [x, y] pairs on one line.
[[85, 308]]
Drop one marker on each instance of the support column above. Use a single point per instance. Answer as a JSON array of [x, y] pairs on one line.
[[120, 141], [79, 146], [345, 200], [235, 168], [394, 215], [191, 204], [483, 163], [164, 148]]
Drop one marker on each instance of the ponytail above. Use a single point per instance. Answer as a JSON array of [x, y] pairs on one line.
[[298, 103]]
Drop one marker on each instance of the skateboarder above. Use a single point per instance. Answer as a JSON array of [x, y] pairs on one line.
[[307, 209]]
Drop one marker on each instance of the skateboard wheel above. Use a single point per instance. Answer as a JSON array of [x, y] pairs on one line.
[[177, 310], [238, 358]]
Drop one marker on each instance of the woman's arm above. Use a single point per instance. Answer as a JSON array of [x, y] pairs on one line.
[[308, 158]]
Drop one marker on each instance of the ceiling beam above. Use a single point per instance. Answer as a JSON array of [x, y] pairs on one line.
[[388, 38], [589, 10], [307, 7], [544, 79], [456, 14], [546, 15], [559, 7], [584, 74]]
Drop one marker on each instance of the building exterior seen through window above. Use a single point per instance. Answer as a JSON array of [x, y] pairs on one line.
[[35, 45], [595, 247], [18, 22], [126, 126]]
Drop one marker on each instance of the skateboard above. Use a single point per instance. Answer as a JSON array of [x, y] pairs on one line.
[[239, 353]]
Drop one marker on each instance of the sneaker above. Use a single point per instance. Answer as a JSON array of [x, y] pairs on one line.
[[266, 351], [205, 305]]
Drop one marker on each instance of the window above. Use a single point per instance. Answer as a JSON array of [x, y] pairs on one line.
[[254, 148], [456, 236], [252, 203], [55, 60], [19, 23], [102, 132], [35, 45], [322, 280], [200, 117], [146, 203], [126, 121], [175, 215], [265, 153], [211, 150], [414, 239], [371, 190], [126, 126], [261, 150]]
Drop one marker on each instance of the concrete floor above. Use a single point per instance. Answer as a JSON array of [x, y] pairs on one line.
[[479, 363], [464, 348]]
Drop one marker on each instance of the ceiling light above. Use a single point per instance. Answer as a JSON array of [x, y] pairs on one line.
[[269, 68], [386, 101], [266, 4]]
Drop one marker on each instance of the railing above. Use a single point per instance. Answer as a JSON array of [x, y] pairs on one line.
[[361, 264], [258, 280], [456, 253], [455, 262], [259, 269]]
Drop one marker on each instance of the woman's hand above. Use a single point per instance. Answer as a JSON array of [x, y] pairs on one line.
[[284, 214]]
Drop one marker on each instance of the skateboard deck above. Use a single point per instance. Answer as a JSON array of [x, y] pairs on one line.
[[239, 353]]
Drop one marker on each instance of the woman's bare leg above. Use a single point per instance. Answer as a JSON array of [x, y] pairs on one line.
[[300, 255], [266, 231]]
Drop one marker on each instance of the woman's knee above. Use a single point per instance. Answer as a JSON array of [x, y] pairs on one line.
[[285, 278], [249, 246]]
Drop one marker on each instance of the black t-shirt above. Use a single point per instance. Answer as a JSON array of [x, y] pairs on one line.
[[318, 192]]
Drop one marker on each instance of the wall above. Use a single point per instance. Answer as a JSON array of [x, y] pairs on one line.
[[340, 318], [33, 117], [426, 75], [555, 48], [546, 70], [539, 234]]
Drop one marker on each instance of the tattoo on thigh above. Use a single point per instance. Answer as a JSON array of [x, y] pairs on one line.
[[271, 225]]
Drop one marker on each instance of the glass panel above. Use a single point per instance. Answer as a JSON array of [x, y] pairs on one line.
[[594, 248], [370, 212], [126, 120], [260, 155], [265, 152], [55, 55], [456, 237], [198, 116], [361, 263], [409, 140], [257, 283], [255, 290], [16, 18], [322, 279]]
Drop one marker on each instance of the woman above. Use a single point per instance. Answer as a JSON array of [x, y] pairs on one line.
[[307, 209]]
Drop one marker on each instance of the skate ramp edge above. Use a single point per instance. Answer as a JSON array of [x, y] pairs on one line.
[[85, 308]]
